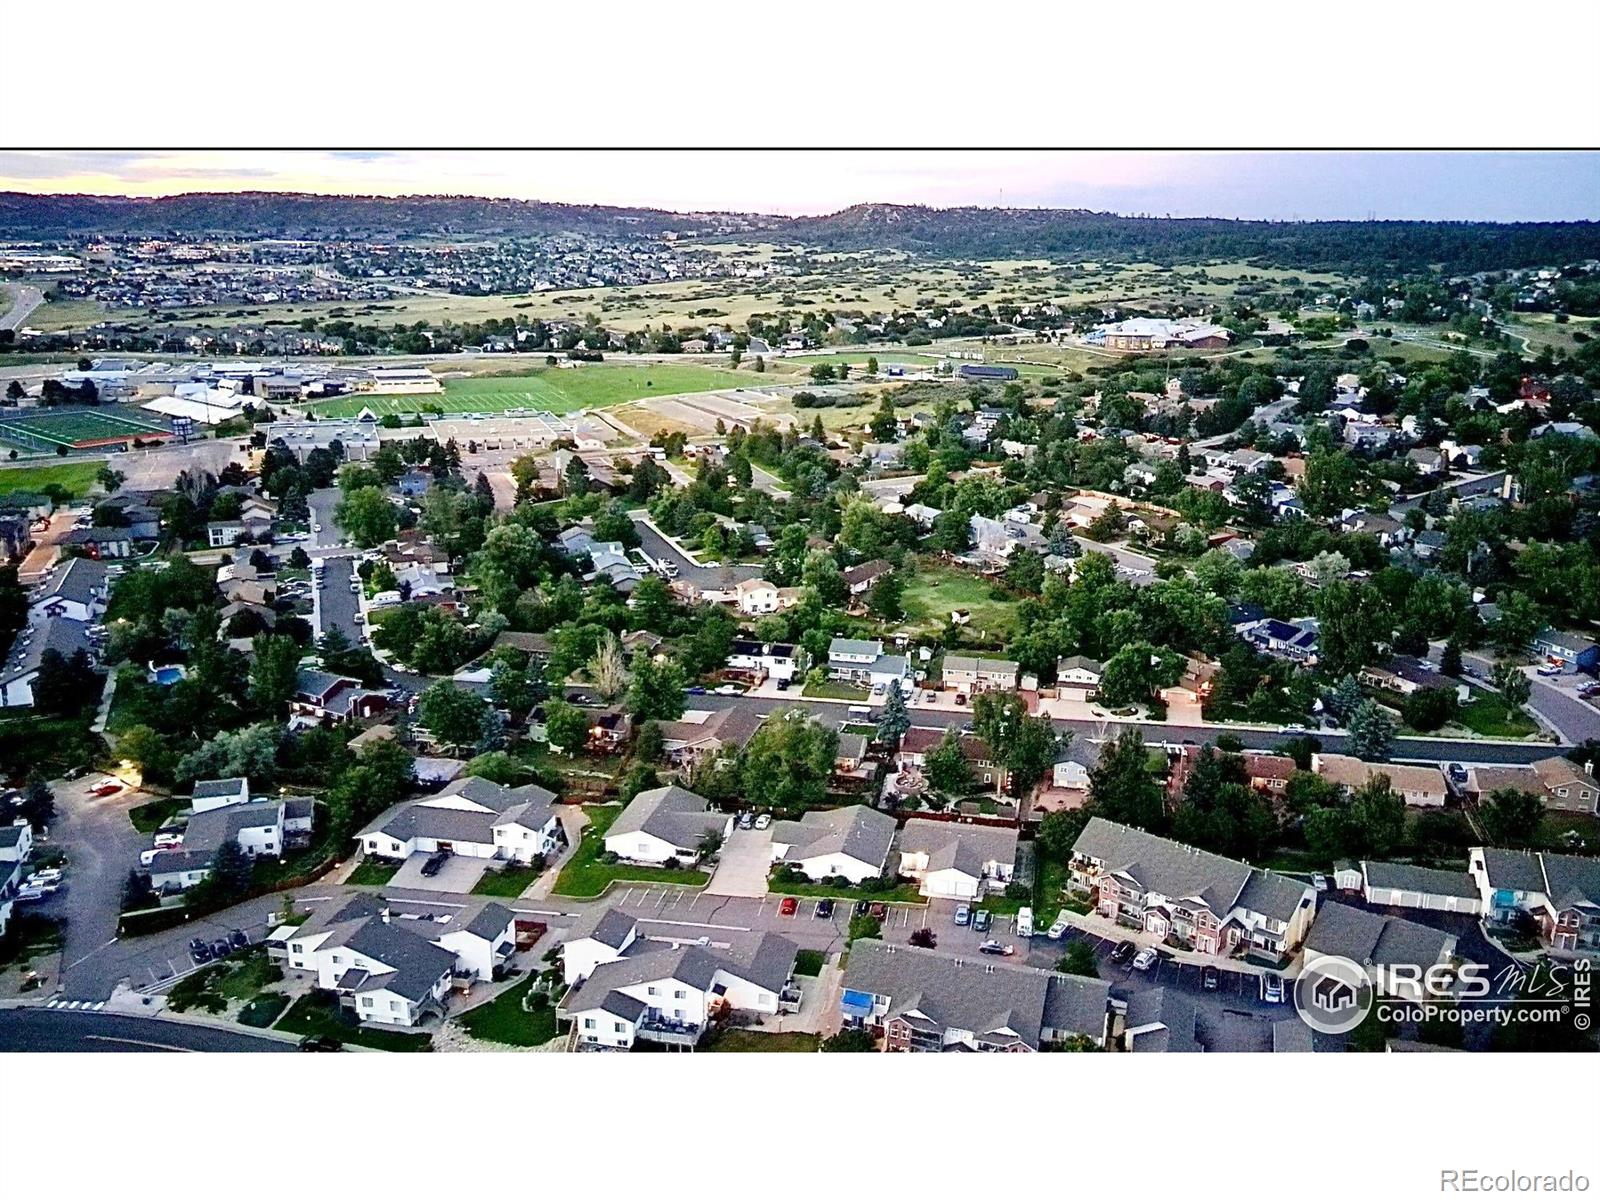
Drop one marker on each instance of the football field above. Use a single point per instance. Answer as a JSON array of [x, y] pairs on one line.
[[554, 389]]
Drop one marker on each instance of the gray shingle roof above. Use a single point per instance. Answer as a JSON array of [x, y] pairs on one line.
[[965, 848], [417, 963], [1405, 877], [859, 831], [1571, 881], [1513, 870], [673, 814], [207, 788], [490, 921], [1373, 938], [608, 926]]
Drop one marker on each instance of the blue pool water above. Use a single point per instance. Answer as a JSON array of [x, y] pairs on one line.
[[167, 676]]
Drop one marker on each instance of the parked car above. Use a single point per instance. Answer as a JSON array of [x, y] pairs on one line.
[[862, 908], [1123, 952], [787, 908], [1210, 978], [982, 919], [1145, 959], [220, 948], [1272, 989], [1025, 922], [199, 950], [747, 820], [108, 788], [824, 908], [323, 1042], [963, 915], [879, 911], [763, 820], [993, 947], [1056, 930], [41, 877], [238, 940], [1549, 669], [1319, 881], [434, 864], [783, 685]]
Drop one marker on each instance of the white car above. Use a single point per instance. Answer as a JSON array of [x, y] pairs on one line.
[[763, 820], [46, 875], [1056, 930], [1145, 959], [315, 527], [1272, 989], [1319, 881]]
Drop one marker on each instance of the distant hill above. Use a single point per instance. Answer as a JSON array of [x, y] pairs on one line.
[[1306, 245], [286, 214], [1457, 246]]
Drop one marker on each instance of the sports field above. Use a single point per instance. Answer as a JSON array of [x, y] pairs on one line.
[[76, 477], [81, 429], [554, 389]]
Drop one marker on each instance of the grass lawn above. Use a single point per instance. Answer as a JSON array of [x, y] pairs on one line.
[[250, 974], [833, 689], [1555, 824], [1490, 716], [373, 872], [809, 962], [552, 389], [937, 589], [585, 876], [319, 1012], [262, 1011], [147, 818], [508, 881], [745, 1041], [502, 1019], [906, 893], [76, 477]]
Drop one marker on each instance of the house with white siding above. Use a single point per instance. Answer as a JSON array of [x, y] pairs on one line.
[[474, 818], [666, 823], [1401, 885], [953, 861], [851, 842]]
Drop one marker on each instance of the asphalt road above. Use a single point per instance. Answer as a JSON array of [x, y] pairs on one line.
[[657, 547], [60, 1031], [337, 605], [1405, 749], [322, 502], [23, 303]]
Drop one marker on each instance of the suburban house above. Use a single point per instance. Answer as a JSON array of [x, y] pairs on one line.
[[1401, 885], [320, 696], [699, 734], [1206, 902], [473, 818], [864, 662], [98, 541], [1406, 676], [921, 740], [756, 596], [257, 828], [1374, 940], [218, 793], [957, 862], [666, 824], [1293, 640], [967, 675], [763, 659], [916, 1000], [32, 642], [396, 968], [76, 589], [851, 842], [860, 578], [1078, 677], [1558, 781], [1570, 651], [1560, 892], [628, 988], [1420, 787]]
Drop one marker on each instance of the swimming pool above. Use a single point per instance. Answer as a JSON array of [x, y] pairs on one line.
[[167, 676]]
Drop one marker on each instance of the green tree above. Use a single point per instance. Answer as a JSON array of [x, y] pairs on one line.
[[1121, 787], [453, 715], [788, 762], [566, 726], [366, 516], [1515, 688], [656, 692], [1377, 818], [274, 667], [947, 767], [893, 719], [886, 597], [1079, 960], [850, 1041], [1371, 732], [1511, 817]]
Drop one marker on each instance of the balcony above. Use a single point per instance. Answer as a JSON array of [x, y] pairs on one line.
[[668, 1032]]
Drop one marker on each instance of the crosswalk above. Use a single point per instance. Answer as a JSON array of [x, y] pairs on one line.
[[76, 1005]]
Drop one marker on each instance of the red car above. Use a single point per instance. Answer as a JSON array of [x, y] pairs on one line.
[[106, 789], [788, 906], [879, 910]]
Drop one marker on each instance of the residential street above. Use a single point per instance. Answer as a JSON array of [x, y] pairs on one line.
[[25, 1030]]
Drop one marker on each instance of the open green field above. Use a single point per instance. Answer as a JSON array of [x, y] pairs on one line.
[[76, 427], [75, 477], [937, 589], [553, 389]]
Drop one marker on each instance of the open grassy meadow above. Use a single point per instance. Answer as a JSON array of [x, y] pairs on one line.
[[76, 477], [937, 589]]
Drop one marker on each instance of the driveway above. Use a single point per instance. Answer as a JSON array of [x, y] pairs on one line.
[[743, 866], [102, 846], [458, 874]]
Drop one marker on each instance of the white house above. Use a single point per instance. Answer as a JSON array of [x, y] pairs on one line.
[[1401, 885], [851, 842], [666, 823], [599, 936], [471, 817], [1078, 677], [756, 596], [967, 674], [864, 662], [773, 659], [76, 589], [954, 861], [219, 793]]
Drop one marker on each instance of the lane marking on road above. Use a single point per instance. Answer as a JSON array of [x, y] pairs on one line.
[[95, 1037], [91, 954], [694, 924]]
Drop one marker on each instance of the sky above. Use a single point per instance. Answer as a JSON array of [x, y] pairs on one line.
[[1333, 185]]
